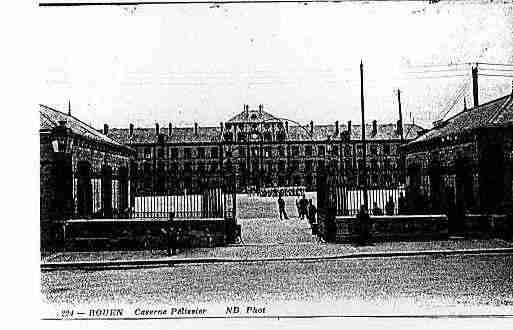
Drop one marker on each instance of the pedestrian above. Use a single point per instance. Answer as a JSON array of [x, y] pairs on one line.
[[304, 206], [376, 210], [312, 211], [364, 222], [281, 208], [389, 206], [401, 203]]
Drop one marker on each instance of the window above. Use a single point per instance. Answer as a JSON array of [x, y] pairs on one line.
[[386, 149], [308, 166], [268, 136], [359, 149], [334, 150], [254, 152], [187, 153], [187, 167], [294, 165], [321, 151], [373, 149], [147, 153], [214, 152], [320, 165], [281, 151], [347, 151], [242, 151], [160, 153], [295, 151], [201, 168], [281, 166], [268, 152], [308, 151], [174, 153], [201, 152]]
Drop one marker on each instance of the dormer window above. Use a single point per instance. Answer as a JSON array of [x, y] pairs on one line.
[[254, 117]]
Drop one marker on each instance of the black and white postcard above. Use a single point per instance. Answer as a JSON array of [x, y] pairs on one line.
[[275, 161]]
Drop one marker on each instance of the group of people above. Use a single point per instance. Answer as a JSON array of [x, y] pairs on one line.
[[281, 191], [305, 209]]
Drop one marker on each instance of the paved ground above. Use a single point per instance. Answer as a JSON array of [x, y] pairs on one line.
[[477, 284]]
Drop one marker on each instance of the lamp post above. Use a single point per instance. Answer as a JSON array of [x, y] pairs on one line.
[[62, 145]]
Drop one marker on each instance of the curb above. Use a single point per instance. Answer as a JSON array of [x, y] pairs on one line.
[[166, 262]]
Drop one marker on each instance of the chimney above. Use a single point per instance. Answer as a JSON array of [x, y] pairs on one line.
[[195, 128], [260, 108], [131, 129], [105, 129], [336, 128], [157, 130], [512, 88], [170, 129], [311, 126], [464, 104], [349, 128], [374, 128], [287, 126]]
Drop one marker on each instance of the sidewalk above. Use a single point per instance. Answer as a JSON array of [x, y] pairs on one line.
[[272, 252]]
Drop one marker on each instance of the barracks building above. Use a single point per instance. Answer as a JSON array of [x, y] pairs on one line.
[[261, 150]]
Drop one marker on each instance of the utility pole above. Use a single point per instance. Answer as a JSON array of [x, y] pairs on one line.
[[401, 129], [364, 147], [475, 89]]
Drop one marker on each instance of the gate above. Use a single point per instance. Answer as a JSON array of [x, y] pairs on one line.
[[161, 189], [342, 193]]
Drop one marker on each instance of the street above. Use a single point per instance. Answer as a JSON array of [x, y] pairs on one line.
[[425, 284]]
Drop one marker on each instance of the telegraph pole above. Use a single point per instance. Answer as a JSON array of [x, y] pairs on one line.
[[364, 147], [400, 128], [475, 89]]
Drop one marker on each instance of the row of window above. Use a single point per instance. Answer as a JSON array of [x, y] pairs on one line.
[[282, 165], [267, 151]]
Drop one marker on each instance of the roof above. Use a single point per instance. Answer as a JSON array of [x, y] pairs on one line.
[[296, 133], [49, 118], [496, 113], [256, 116]]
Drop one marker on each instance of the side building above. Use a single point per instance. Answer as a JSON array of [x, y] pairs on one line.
[[464, 165], [261, 150], [83, 173]]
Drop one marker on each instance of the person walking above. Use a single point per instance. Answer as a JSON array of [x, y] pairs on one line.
[[281, 208], [304, 207], [364, 222], [390, 206], [311, 213], [376, 210]]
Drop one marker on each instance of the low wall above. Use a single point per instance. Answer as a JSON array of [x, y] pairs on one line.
[[491, 225], [344, 229], [127, 234]]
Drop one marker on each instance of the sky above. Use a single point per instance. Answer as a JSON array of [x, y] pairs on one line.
[[201, 63]]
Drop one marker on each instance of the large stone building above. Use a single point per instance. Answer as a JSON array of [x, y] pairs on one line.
[[464, 162], [262, 150], [83, 173]]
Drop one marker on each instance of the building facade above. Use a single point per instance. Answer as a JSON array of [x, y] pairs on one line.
[[465, 162], [261, 150], [83, 173]]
